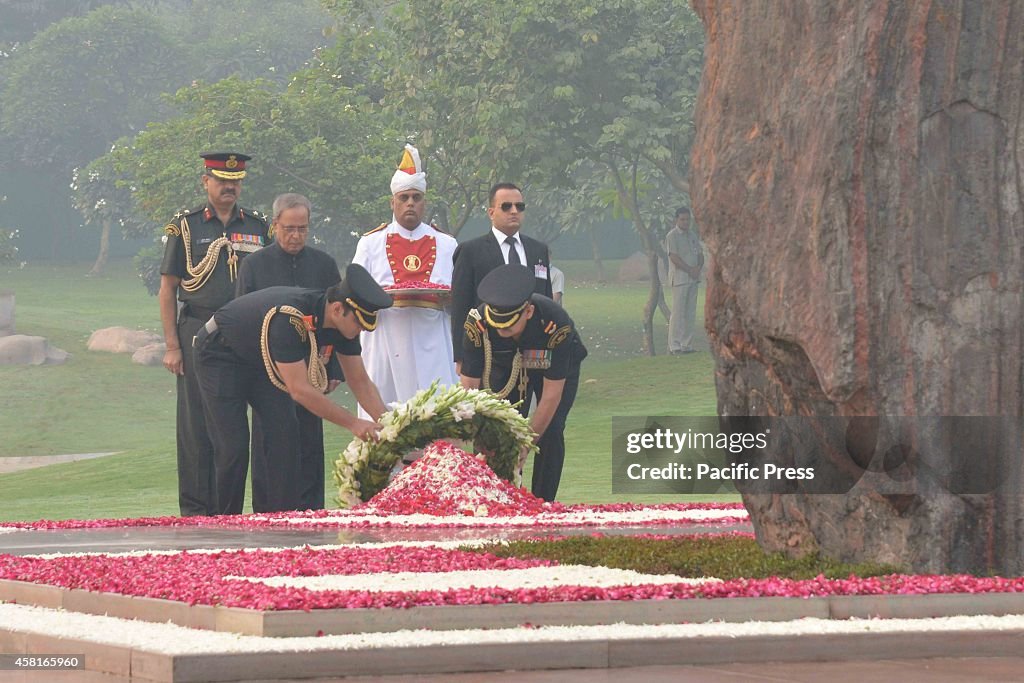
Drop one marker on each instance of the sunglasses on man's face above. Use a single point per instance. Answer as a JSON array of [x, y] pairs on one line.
[[507, 206]]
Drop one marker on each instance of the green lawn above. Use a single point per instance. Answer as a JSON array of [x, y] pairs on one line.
[[102, 402]]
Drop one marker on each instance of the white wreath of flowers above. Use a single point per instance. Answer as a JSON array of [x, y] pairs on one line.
[[452, 412]]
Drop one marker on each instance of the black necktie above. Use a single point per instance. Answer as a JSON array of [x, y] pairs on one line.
[[513, 253]]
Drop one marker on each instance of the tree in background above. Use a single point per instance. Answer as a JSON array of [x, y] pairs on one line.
[[80, 84], [84, 82], [76, 86], [250, 39], [315, 138], [24, 18], [526, 91], [589, 105], [104, 196], [580, 209], [8, 239]]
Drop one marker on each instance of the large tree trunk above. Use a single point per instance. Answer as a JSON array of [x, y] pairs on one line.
[[655, 295], [595, 250], [629, 197], [856, 171], [104, 253], [662, 258]]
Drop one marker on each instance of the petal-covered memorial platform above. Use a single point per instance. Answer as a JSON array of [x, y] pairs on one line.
[[400, 585]]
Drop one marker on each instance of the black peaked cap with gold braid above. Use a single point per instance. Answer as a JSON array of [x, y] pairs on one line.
[[360, 292], [225, 165], [505, 292]]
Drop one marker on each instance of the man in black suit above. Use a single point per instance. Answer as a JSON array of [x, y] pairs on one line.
[[477, 257], [474, 259]]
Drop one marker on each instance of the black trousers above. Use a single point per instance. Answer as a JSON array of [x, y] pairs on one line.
[[229, 385], [311, 456], [195, 449], [547, 464]]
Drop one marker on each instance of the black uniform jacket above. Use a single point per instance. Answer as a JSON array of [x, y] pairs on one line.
[[240, 324], [272, 267], [550, 345]]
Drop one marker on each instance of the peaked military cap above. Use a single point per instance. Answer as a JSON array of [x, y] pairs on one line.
[[362, 294], [505, 292], [226, 165]]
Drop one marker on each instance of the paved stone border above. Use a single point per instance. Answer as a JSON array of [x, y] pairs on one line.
[[598, 653], [292, 623]]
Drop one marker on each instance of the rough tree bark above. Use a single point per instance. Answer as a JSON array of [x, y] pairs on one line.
[[595, 250], [628, 198], [857, 173], [104, 253]]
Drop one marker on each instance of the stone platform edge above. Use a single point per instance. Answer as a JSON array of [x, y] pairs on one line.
[[593, 654], [293, 623]]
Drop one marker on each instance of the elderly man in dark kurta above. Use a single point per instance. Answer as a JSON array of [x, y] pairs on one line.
[[203, 249], [289, 262], [265, 350]]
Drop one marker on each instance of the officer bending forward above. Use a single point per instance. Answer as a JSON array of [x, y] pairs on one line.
[[268, 348], [547, 356]]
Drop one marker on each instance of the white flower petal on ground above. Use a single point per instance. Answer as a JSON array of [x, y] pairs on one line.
[[510, 579], [173, 640], [441, 545], [567, 519]]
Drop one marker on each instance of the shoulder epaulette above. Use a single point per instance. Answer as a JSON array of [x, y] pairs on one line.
[[474, 327], [299, 323], [557, 335], [185, 212], [174, 227], [377, 229], [441, 230], [255, 214]]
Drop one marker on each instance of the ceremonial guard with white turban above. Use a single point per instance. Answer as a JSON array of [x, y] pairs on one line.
[[412, 346]]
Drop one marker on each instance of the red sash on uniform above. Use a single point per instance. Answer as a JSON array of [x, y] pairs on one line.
[[412, 261]]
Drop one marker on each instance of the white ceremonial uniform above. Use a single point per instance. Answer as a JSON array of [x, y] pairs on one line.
[[411, 346]]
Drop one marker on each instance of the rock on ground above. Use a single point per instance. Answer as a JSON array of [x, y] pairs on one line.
[[22, 349], [121, 340], [151, 354]]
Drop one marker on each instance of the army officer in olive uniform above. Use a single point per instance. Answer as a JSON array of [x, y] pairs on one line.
[[203, 249], [266, 349], [547, 357]]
